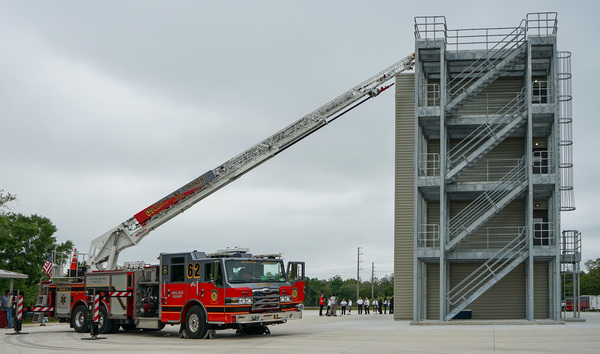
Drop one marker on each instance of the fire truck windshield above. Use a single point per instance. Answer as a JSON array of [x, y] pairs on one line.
[[254, 271]]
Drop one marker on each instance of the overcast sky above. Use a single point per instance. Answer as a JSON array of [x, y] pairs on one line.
[[107, 106]]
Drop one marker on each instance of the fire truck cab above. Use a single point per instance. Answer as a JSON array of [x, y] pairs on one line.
[[229, 290]]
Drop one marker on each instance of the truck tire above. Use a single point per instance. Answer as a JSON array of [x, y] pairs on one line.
[[80, 319], [105, 325], [195, 323]]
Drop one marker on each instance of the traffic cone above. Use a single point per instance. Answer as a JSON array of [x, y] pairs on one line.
[[74, 264]]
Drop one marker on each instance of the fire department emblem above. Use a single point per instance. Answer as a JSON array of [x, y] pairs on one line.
[[165, 270], [214, 296], [294, 293], [63, 299]]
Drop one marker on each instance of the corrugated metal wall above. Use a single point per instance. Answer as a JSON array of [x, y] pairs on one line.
[[495, 163], [433, 291], [494, 97], [541, 288], [505, 300], [404, 198], [496, 232]]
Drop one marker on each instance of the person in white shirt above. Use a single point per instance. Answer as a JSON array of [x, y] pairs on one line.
[[344, 303], [349, 306], [375, 306], [367, 303], [359, 302]]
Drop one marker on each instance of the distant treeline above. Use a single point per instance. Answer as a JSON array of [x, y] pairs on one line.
[[346, 289]]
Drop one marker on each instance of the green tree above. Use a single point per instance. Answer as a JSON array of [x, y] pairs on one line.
[[5, 199], [25, 244], [590, 281], [314, 288], [336, 284], [589, 285]]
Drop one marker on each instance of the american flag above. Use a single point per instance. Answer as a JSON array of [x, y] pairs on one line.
[[48, 266]]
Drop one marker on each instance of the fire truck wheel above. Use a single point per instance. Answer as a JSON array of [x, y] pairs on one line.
[[105, 325], [80, 319], [195, 323]]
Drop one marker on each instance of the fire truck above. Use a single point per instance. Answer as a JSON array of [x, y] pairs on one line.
[[202, 292], [231, 288]]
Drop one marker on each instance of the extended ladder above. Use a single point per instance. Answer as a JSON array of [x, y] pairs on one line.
[[106, 247]]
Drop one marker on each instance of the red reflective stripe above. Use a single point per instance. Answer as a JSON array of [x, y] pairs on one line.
[[20, 308], [96, 307], [42, 309], [120, 293]]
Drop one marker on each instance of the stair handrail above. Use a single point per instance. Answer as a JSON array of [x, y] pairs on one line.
[[511, 110], [498, 52], [488, 269], [488, 199]]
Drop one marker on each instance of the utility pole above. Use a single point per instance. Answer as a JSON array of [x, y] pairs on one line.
[[372, 279], [358, 261]]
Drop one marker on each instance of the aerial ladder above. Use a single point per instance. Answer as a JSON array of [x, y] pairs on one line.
[[105, 249]]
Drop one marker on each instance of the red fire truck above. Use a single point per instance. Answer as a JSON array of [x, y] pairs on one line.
[[228, 289]]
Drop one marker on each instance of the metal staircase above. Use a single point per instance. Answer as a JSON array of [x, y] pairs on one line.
[[488, 274], [485, 70], [487, 205], [487, 136]]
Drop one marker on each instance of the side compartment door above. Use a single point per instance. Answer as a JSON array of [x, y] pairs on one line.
[[62, 307], [295, 274], [118, 304]]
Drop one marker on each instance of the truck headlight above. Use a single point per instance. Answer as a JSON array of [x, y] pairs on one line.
[[285, 298], [240, 300]]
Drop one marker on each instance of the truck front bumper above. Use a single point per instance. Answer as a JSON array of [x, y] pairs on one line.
[[272, 317]]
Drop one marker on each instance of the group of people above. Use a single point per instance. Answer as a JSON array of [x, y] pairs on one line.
[[378, 305]]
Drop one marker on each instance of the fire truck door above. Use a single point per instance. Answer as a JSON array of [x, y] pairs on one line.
[[295, 273], [173, 286], [214, 291]]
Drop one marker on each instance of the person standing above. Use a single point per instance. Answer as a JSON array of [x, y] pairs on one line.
[[334, 303], [5, 301], [385, 305], [391, 305], [375, 306], [349, 306], [367, 303], [344, 303], [380, 305], [359, 303], [321, 304]]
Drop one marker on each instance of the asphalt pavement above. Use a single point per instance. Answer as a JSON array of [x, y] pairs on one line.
[[341, 334]]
